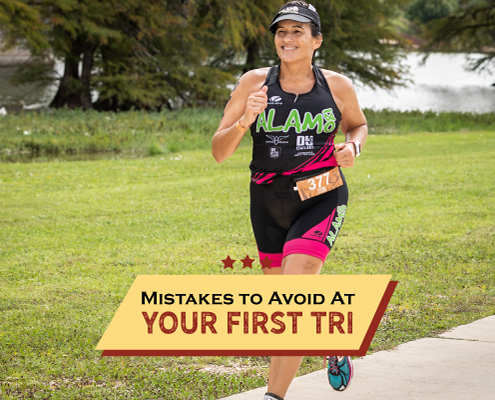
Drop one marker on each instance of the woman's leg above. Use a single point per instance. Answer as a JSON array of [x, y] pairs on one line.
[[282, 372], [283, 369]]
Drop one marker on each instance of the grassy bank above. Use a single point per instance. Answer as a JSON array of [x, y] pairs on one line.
[[77, 134], [129, 135], [74, 235]]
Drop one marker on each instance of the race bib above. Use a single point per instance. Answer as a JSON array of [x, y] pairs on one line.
[[319, 184]]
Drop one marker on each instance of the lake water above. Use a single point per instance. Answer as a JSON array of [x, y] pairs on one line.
[[440, 84], [10, 96]]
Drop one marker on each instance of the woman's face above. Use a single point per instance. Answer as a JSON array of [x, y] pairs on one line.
[[294, 42]]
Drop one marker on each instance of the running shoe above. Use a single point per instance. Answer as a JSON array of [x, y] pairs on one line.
[[272, 396], [340, 372]]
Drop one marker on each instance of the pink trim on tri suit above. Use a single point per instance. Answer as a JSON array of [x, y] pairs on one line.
[[298, 246], [320, 232], [259, 178], [305, 246], [323, 158], [275, 257], [311, 243]]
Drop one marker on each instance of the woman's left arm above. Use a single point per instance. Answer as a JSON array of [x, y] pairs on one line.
[[353, 123]]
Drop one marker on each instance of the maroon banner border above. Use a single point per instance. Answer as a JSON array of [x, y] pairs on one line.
[[389, 291]]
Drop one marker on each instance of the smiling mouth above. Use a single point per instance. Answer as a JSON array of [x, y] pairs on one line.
[[288, 48]]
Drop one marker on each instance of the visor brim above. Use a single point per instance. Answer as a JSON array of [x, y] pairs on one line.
[[291, 17]]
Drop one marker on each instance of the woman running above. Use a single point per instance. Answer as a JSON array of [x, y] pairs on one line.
[[298, 193]]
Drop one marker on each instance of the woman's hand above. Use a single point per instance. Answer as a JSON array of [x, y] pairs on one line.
[[246, 102], [255, 105], [344, 154]]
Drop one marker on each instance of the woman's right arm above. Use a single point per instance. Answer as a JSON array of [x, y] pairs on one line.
[[245, 104]]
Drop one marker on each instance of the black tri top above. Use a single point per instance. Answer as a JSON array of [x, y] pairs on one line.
[[295, 133]]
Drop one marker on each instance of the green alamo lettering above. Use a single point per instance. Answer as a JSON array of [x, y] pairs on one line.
[[323, 122], [336, 224], [330, 117], [310, 122], [293, 120]]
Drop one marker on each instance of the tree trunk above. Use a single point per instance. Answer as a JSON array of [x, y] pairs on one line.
[[68, 84], [87, 66], [253, 55], [74, 91]]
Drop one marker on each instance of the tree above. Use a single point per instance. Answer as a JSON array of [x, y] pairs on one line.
[[21, 24], [151, 54], [160, 59], [135, 53], [240, 31], [424, 11], [360, 41], [469, 28]]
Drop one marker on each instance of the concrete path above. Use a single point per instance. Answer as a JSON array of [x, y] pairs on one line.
[[459, 364]]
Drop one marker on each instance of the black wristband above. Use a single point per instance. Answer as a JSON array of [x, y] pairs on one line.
[[272, 396]]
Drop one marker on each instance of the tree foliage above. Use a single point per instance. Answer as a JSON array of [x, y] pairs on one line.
[[424, 11], [20, 22], [360, 41], [162, 53], [470, 28], [240, 31]]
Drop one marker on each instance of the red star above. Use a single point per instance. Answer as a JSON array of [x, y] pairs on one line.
[[266, 263], [228, 263], [247, 262]]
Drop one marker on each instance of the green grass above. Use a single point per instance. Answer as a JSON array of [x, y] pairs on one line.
[[71, 134], [74, 235], [400, 122], [59, 133]]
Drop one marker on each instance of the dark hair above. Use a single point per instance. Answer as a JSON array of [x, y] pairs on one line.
[[315, 31]]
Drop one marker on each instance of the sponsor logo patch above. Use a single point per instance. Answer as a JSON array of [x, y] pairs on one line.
[[304, 153], [277, 100], [275, 152], [317, 234], [277, 139], [293, 10], [304, 143]]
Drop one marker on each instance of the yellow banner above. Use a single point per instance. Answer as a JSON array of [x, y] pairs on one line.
[[248, 315]]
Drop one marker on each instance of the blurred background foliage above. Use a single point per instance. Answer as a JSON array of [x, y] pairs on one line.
[[165, 54]]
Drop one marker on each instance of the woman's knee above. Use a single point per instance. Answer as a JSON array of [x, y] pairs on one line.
[[301, 264]]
